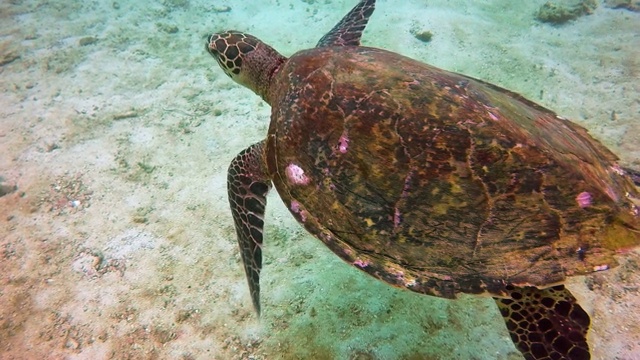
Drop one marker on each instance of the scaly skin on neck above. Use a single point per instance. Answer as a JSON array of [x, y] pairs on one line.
[[259, 69]]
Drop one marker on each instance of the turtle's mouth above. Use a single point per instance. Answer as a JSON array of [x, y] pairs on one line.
[[211, 49], [215, 53]]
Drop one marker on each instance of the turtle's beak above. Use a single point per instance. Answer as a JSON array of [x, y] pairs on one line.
[[207, 46]]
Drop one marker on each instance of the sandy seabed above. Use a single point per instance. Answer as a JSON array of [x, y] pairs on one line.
[[116, 129]]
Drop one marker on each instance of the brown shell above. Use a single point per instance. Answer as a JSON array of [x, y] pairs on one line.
[[438, 182]]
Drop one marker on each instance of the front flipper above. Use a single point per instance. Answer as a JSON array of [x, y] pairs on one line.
[[248, 184], [349, 30], [546, 324]]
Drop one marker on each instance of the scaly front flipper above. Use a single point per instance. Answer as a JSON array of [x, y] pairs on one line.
[[546, 324], [248, 184]]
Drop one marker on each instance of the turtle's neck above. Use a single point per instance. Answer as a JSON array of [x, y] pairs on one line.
[[262, 65]]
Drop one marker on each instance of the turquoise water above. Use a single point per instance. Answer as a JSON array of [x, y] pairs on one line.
[[117, 128]]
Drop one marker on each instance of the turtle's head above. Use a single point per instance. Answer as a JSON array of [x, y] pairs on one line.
[[247, 60]]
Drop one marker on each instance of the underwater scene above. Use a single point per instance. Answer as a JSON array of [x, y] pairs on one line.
[[117, 128]]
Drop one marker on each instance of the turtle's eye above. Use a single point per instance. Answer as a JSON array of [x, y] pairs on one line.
[[228, 48]]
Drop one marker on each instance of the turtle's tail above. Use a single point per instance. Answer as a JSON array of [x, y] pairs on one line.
[[634, 175], [546, 323]]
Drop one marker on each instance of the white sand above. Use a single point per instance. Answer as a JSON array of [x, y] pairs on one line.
[[118, 243]]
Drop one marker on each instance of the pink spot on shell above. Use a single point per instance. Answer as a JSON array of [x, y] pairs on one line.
[[296, 175], [410, 283], [360, 263], [618, 170], [601, 267], [343, 143], [297, 209], [295, 206], [397, 218], [584, 199]]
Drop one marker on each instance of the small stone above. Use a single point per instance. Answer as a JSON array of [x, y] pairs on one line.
[[7, 189], [424, 36], [167, 28], [558, 14], [8, 57], [87, 40], [631, 5], [221, 9], [126, 115]]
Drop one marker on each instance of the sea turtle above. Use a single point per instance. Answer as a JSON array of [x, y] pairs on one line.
[[430, 180]]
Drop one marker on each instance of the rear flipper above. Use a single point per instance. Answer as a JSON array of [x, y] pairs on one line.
[[546, 323]]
